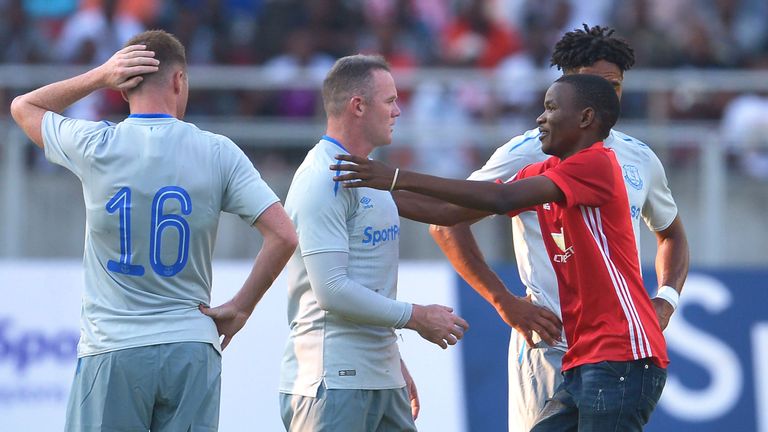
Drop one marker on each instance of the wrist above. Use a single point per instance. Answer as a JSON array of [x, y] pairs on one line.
[[416, 311], [670, 295]]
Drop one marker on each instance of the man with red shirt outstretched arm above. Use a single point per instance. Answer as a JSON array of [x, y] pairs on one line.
[[614, 369]]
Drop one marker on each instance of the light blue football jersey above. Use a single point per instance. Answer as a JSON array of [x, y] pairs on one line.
[[324, 347], [154, 188]]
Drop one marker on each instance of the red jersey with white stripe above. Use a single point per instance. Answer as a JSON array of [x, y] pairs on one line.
[[607, 314]]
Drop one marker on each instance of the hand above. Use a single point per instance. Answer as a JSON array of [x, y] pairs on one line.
[[124, 69], [437, 324], [525, 317], [663, 310], [368, 173], [229, 320], [413, 395]]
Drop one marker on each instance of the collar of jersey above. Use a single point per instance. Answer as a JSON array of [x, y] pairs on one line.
[[335, 141], [151, 115]]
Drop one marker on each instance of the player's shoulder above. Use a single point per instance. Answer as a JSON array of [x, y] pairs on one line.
[[628, 147], [525, 143]]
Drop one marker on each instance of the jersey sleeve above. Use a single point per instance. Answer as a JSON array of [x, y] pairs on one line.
[[510, 158], [659, 209], [69, 142], [585, 178], [246, 194], [321, 213]]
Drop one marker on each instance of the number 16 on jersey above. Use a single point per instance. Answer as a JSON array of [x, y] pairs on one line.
[[121, 203]]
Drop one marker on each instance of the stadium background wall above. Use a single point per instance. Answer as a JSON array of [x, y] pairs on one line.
[[718, 342]]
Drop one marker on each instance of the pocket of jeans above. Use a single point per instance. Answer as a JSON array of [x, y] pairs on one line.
[[654, 379]]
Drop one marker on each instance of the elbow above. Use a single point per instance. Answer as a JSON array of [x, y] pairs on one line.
[[16, 108], [290, 241]]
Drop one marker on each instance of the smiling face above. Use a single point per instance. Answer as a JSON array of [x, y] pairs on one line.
[[560, 123], [381, 108]]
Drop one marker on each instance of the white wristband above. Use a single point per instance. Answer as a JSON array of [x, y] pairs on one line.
[[394, 179], [670, 295]]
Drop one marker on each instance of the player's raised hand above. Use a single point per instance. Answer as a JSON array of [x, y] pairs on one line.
[[124, 70], [437, 324], [366, 172], [229, 320], [526, 317]]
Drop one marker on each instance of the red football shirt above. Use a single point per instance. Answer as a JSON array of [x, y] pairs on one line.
[[607, 314]]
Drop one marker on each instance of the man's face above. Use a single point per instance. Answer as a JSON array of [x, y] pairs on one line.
[[559, 123], [381, 109], [605, 69]]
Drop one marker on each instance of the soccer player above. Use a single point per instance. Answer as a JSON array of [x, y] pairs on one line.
[[342, 369], [614, 369], [595, 51], [154, 186]]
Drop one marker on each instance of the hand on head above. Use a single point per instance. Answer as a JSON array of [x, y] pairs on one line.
[[124, 70]]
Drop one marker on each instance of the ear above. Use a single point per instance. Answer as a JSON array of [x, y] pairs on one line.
[[588, 117], [178, 79], [124, 94], [357, 105]]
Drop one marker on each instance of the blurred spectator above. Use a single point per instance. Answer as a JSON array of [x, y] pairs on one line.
[[20, 40], [95, 32], [474, 38], [300, 63], [745, 129]]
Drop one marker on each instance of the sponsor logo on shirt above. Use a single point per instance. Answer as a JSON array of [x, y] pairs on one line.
[[632, 176], [347, 372], [559, 239], [374, 236], [366, 202], [547, 206]]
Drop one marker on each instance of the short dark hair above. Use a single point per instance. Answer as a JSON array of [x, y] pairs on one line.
[[594, 91], [167, 48], [580, 48], [348, 77]]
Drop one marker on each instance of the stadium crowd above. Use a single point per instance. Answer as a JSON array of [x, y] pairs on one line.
[[511, 39]]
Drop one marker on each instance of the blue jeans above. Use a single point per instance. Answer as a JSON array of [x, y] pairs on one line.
[[605, 396]]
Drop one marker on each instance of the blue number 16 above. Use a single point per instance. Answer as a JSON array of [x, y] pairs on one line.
[[121, 203]]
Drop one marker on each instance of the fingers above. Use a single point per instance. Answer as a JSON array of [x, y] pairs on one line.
[[415, 405], [350, 158], [225, 342], [345, 167], [348, 177], [131, 83], [528, 336], [459, 321]]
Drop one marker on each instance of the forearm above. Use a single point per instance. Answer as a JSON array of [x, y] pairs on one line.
[[28, 109], [484, 196], [481, 195], [460, 247], [335, 292], [431, 210], [274, 254], [672, 256]]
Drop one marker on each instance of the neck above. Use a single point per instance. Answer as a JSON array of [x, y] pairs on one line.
[[583, 144], [146, 104], [349, 135]]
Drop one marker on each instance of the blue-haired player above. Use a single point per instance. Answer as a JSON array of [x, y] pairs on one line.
[[154, 187]]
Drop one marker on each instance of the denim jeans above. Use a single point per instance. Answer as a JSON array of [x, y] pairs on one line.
[[606, 396]]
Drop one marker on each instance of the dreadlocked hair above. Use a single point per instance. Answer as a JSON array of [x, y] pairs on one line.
[[580, 48]]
